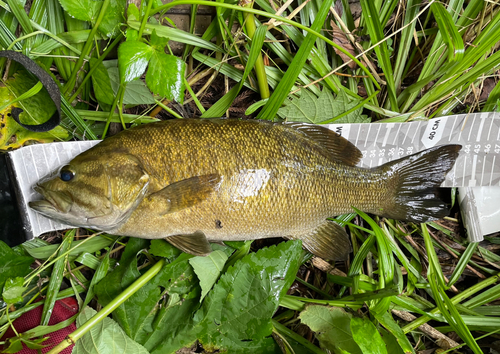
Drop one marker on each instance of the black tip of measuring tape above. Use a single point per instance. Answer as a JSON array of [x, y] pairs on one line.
[[49, 84]]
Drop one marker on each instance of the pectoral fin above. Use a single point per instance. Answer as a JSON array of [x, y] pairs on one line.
[[195, 244], [328, 241], [184, 194]]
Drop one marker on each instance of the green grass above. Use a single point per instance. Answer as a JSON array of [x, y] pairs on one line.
[[413, 60]]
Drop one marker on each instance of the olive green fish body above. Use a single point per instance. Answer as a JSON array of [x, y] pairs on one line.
[[227, 180]]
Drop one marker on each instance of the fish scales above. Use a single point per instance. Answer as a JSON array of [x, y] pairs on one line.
[[224, 179], [272, 182]]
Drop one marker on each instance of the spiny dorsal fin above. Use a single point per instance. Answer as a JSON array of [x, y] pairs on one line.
[[338, 147], [328, 241], [195, 244], [184, 194]]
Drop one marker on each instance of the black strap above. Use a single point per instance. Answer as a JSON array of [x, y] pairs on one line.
[[47, 82]]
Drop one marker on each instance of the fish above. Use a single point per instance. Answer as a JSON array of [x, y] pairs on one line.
[[195, 181]]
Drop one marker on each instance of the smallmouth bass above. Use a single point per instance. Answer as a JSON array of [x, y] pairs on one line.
[[191, 181]]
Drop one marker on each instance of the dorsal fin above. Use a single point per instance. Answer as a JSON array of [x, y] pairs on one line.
[[338, 147]]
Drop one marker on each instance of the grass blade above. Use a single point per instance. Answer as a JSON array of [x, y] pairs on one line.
[[370, 14], [462, 263], [449, 32], [56, 279], [280, 94], [225, 102]]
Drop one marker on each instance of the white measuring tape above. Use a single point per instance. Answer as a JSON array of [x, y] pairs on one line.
[[479, 134], [478, 163]]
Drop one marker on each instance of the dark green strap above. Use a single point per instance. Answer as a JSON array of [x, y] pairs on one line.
[[47, 82]]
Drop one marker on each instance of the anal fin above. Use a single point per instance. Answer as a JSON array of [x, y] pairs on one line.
[[195, 243], [328, 241]]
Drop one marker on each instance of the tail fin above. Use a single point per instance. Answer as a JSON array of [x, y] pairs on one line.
[[416, 180]]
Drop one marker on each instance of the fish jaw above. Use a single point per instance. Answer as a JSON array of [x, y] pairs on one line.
[[56, 205]]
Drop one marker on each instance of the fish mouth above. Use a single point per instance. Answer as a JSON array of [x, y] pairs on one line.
[[54, 202]]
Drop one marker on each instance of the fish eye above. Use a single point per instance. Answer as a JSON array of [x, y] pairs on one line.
[[66, 174]]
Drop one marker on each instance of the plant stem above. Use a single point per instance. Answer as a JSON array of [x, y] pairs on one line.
[[98, 317], [112, 110], [455, 300], [86, 49], [145, 18], [260, 70], [94, 67], [269, 15]]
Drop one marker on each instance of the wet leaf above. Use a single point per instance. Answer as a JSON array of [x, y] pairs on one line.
[[367, 337], [13, 345], [36, 110], [102, 85], [311, 109], [106, 337], [133, 12], [208, 269], [136, 315], [13, 290], [85, 10], [133, 58], [157, 42], [236, 315], [165, 76], [332, 327], [12, 265], [113, 16], [136, 92], [163, 249], [130, 314]]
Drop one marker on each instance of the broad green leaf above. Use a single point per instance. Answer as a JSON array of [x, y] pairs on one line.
[[236, 315], [136, 315], [85, 10], [367, 337], [311, 109], [170, 320], [12, 265], [165, 76], [449, 32], [332, 327], [13, 290], [13, 345], [157, 42], [163, 249], [106, 337], [133, 58], [133, 12], [102, 85], [130, 314], [36, 110], [208, 269], [136, 92], [113, 17]]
